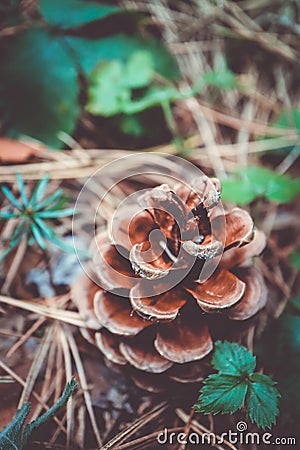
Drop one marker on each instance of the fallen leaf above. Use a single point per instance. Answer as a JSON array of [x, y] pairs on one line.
[[16, 151]]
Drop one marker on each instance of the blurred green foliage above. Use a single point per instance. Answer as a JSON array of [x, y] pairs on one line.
[[295, 260], [279, 350], [46, 63], [251, 182], [289, 119]]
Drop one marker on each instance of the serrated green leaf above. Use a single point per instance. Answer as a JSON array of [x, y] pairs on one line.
[[221, 393], [139, 69], [230, 358], [262, 401], [236, 385], [38, 86], [74, 13], [120, 47]]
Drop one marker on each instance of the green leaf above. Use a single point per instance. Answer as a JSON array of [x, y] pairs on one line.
[[56, 196], [39, 191], [21, 229], [139, 69], [8, 215], [21, 186], [295, 260], [289, 119], [38, 236], [55, 213], [235, 385], [153, 97], [224, 79], [221, 393], [253, 181], [132, 125], [47, 231], [262, 401], [221, 76], [237, 191], [107, 91], [10, 196], [74, 13], [120, 47], [68, 248], [230, 358], [38, 86]]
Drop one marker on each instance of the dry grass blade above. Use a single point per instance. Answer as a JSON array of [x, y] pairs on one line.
[[135, 426], [13, 269], [36, 366], [83, 382], [6, 379], [16, 377], [68, 368], [70, 317], [26, 336], [202, 430], [145, 441]]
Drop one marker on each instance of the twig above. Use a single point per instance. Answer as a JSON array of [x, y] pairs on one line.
[[135, 426]]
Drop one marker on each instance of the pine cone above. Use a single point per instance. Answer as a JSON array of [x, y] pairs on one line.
[[179, 273]]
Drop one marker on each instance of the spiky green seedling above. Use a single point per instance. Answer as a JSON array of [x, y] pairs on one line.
[[15, 435], [33, 213]]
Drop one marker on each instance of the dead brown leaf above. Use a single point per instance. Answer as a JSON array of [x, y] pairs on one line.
[[17, 151]]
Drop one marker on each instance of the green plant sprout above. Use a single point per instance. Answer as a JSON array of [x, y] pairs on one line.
[[249, 183], [118, 87], [32, 213], [14, 436], [236, 386]]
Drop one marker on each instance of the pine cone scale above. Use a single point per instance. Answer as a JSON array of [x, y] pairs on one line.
[[182, 341], [115, 314], [222, 290], [164, 307]]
